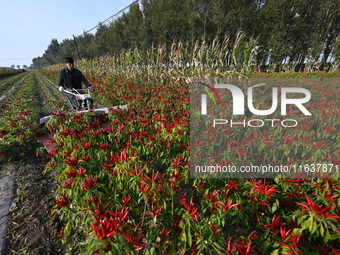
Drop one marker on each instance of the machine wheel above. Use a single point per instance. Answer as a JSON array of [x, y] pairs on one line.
[[89, 104]]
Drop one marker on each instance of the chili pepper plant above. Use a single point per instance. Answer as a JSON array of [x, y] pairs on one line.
[[124, 185]]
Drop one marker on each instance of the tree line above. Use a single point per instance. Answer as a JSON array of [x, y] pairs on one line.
[[287, 33]]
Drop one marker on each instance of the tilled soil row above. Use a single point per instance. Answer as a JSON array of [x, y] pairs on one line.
[[31, 230], [49, 90]]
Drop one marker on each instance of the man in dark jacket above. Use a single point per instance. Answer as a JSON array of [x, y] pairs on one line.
[[70, 77]]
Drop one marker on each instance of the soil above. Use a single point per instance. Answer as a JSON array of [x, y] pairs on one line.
[[31, 229], [6, 199]]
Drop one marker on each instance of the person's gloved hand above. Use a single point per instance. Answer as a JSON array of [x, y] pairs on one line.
[[61, 88]]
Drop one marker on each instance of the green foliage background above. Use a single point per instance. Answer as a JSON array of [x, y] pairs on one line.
[[289, 34]]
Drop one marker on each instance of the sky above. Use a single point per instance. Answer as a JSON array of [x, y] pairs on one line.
[[28, 26]]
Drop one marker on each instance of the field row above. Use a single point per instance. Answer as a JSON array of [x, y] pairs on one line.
[[19, 118], [5, 71], [25, 99], [9, 84]]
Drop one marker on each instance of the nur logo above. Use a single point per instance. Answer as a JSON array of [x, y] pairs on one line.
[[239, 99]]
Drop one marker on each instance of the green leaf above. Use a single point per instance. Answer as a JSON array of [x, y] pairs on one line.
[[314, 227], [327, 237], [188, 233], [275, 252], [311, 222], [152, 251], [305, 224], [182, 236], [301, 219], [68, 228], [217, 248], [275, 206], [322, 230], [115, 249]]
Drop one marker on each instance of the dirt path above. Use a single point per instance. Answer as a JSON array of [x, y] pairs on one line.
[[6, 199], [49, 90], [31, 230]]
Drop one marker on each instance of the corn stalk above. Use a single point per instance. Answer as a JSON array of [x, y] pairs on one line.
[[221, 58]]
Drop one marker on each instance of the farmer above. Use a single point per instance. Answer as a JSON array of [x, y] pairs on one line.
[[71, 78]]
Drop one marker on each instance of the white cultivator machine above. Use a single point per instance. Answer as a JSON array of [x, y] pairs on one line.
[[81, 101]]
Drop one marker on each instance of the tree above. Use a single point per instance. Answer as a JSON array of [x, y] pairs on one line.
[[327, 29], [68, 48], [86, 46], [230, 16], [53, 52], [289, 33], [170, 20], [133, 27], [103, 41], [201, 18]]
